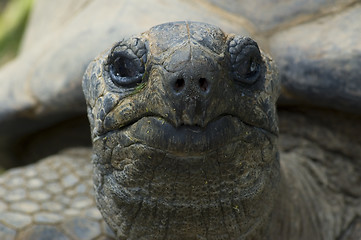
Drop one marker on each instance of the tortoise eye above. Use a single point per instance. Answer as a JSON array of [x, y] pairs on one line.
[[246, 60], [125, 70], [126, 63]]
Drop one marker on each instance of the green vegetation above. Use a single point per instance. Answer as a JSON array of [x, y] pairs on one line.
[[13, 18], [138, 88]]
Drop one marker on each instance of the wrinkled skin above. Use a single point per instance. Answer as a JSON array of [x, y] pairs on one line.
[[184, 131]]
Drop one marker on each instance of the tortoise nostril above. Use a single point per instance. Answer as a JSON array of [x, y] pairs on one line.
[[203, 84], [179, 84]]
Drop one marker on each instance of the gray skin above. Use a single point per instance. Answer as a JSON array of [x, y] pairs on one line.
[[315, 44], [315, 191], [184, 131], [185, 144]]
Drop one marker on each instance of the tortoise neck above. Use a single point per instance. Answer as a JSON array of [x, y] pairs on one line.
[[320, 186], [305, 209]]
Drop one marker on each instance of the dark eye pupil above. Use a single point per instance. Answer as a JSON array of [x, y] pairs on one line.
[[124, 68], [253, 66], [126, 71]]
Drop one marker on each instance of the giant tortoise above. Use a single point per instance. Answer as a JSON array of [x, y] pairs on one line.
[[183, 122]]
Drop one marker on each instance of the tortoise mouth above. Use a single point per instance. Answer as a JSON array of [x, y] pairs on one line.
[[190, 140], [156, 172]]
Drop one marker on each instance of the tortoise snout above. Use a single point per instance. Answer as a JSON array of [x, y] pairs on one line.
[[181, 85], [190, 92]]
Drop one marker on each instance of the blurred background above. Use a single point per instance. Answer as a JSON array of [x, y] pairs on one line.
[[13, 18]]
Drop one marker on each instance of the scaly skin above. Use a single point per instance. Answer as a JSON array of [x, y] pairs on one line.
[[318, 200], [190, 152], [230, 188]]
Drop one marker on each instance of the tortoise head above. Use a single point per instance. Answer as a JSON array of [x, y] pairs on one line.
[[184, 129]]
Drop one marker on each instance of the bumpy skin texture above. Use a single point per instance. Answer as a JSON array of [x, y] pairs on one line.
[[184, 131], [320, 149]]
